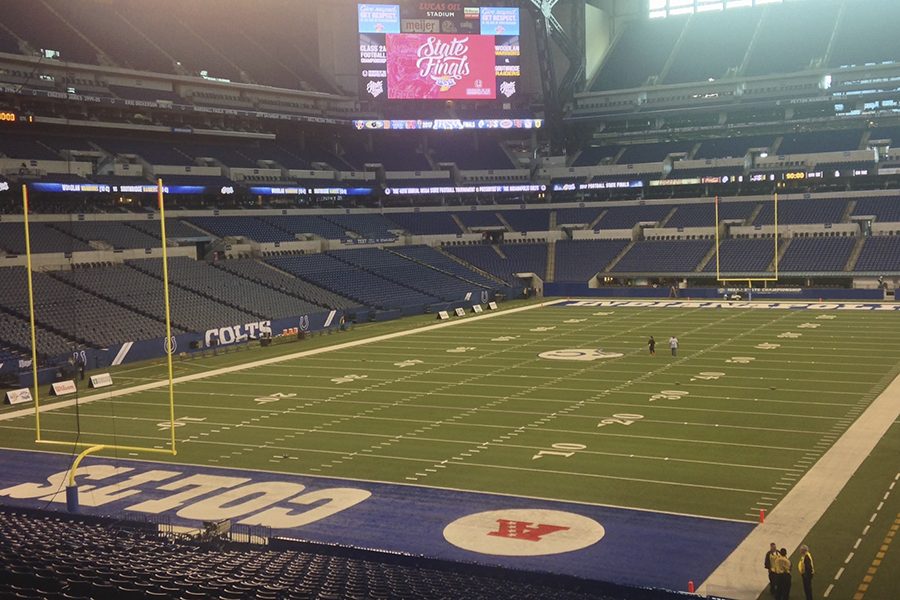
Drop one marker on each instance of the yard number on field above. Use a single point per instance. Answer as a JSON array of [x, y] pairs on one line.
[[560, 450], [620, 419], [669, 395], [741, 360], [708, 376], [179, 422], [348, 378], [272, 398]]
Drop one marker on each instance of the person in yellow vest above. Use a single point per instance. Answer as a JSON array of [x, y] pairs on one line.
[[769, 564], [782, 575], [807, 570]]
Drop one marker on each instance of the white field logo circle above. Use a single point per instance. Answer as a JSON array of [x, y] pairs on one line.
[[523, 532], [579, 354]]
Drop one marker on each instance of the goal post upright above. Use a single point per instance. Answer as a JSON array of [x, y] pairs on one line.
[[90, 447], [169, 345], [34, 362]]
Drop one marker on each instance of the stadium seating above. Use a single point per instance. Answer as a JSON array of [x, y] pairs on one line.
[[515, 258], [527, 220], [820, 141], [873, 26], [371, 226], [879, 254], [229, 289], [77, 315], [581, 260], [642, 51], [741, 255], [704, 215], [437, 260], [264, 274], [44, 238], [26, 147], [480, 219], [469, 153], [594, 155], [175, 228], [577, 216], [300, 224], [792, 38], [114, 233], [352, 282], [884, 209], [141, 292], [656, 256], [729, 32], [15, 339], [792, 212], [399, 269], [248, 227], [652, 152], [817, 254], [426, 223], [734, 147], [626, 217], [54, 556]]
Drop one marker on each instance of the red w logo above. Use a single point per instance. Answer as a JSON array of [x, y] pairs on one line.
[[523, 530]]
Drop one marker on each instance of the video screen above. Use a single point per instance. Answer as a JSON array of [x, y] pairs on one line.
[[438, 51]]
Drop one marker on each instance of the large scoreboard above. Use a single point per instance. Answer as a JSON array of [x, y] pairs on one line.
[[438, 51]]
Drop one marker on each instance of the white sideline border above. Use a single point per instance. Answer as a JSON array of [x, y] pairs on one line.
[[741, 576], [268, 361]]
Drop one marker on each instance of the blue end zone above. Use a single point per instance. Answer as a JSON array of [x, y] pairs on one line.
[[636, 548]]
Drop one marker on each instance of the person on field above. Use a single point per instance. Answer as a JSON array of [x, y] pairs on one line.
[[807, 570], [673, 344], [782, 576], [651, 343], [769, 564]]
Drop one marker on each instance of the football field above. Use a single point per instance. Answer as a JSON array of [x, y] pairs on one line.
[[560, 402]]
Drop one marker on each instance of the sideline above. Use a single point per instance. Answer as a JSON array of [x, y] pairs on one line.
[[268, 361], [741, 576]]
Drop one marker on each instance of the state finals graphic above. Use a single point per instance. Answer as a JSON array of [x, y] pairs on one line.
[[420, 51], [440, 66]]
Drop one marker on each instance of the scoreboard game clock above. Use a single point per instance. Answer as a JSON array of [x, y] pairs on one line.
[[438, 51]]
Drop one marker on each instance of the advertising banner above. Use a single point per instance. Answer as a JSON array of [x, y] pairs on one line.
[[379, 18], [440, 66], [61, 388], [101, 380], [19, 396]]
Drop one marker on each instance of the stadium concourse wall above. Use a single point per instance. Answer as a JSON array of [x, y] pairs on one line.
[[575, 290]]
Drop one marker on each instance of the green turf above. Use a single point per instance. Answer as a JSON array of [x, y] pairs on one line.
[[481, 405]]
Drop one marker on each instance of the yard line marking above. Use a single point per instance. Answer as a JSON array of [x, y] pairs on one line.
[[810, 497], [274, 360]]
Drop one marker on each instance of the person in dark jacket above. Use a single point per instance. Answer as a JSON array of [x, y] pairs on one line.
[[769, 564], [807, 570]]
